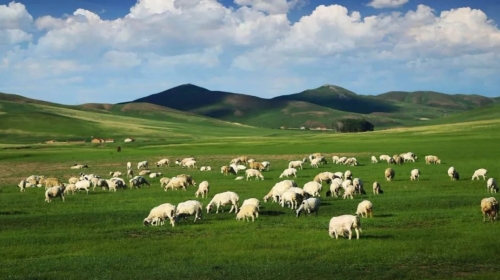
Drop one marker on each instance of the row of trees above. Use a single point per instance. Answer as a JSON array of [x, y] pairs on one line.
[[352, 125]]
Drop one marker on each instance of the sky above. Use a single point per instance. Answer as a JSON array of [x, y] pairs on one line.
[[110, 51]]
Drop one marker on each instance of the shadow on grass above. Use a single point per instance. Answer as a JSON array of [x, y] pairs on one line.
[[376, 236], [383, 216], [271, 213], [12, 213]]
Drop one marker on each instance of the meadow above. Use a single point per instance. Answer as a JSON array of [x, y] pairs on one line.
[[427, 229]]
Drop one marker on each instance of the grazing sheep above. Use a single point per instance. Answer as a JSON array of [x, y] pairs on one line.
[[222, 199], [190, 164], [335, 188], [349, 191], [415, 175], [34, 180], [491, 185], [377, 189], [358, 186], [351, 161], [160, 213], [83, 185], [189, 179], [296, 163], [130, 173], [70, 188], [252, 201], [374, 159], [119, 183], [154, 174], [312, 188], [290, 197], [112, 186], [129, 165], [142, 165], [188, 208], [480, 172], [347, 175], [254, 173], [163, 162], [389, 174], [278, 189], [365, 207], [53, 192], [176, 183], [256, 165], [227, 169], [489, 207], [138, 181], [453, 174], [22, 185], [309, 206], [115, 174], [247, 211], [79, 166], [99, 183], [51, 182], [316, 161], [164, 181], [289, 172], [203, 189], [407, 157], [432, 159], [205, 168], [266, 165], [341, 224], [183, 161], [324, 177]]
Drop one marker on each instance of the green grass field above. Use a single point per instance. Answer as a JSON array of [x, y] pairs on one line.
[[429, 229]]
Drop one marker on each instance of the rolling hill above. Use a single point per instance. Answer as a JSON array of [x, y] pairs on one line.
[[437, 99]]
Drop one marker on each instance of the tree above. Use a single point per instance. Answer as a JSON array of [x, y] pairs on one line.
[[352, 125]]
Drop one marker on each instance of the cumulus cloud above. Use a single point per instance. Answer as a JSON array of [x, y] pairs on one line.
[[380, 4], [252, 45]]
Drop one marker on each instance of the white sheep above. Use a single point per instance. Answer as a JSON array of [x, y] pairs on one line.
[[83, 185], [142, 165], [335, 187], [480, 172], [377, 189], [407, 157], [112, 186], [415, 175], [73, 180], [99, 183], [254, 173], [247, 211], [341, 160], [290, 197], [252, 201], [296, 164], [432, 159], [119, 183], [349, 192], [347, 175], [289, 172], [115, 174], [266, 165], [309, 206], [176, 183], [160, 213], [205, 168], [70, 188], [163, 162], [22, 185], [130, 173], [129, 165], [190, 164], [489, 207], [312, 188], [53, 192], [315, 162], [154, 174], [144, 172], [324, 177], [365, 207], [79, 166], [452, 172], [374, 159], [203, 189], [222, 199], [358, 185], [189, 208], [278, 189], [345, 223], [491, 185]]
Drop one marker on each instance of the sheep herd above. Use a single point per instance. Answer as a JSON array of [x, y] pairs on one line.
[[286, 192]]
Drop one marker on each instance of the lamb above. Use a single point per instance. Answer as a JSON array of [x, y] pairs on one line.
[[386, 158], [365, 207], [489, 207], [83, 185], [349, 192], [247, 211], [189, 208], [53, 192], [346, 183], [222, 199], [144, 172], [345, 223], [176, 183], [453, 174], [163, 162], [291, 198], [154, 174], [52, 182], [160, 213], [374, 159], [415, 175], [112, 185], [115, 174], [227, 169], [251, 201], [335, 188], [309, 206], [316, 161], [142, 165], [129, 165], [312, 188], [347, 175], [289, 172], [118, 183], [70, 188], [351, 161], [205, 168], [203, 189], [409, 157], [377, 189], [278, 189], [79, 166], [296, 164], [480, 172], [138, 181], [389, 174], [189, 179], [341, 160], [335, 159], [491, 185], [254, 173]]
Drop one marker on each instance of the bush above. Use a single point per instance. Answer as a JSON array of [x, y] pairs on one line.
[[352, 125]]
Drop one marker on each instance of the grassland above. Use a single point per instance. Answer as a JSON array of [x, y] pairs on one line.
[[430, 229]]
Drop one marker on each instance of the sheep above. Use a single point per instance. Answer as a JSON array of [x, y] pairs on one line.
[[203, 189], [161, 212], [335, 188], [316, 161], [115, 174], [251, 201], [377, 189], [238, 167], [53, 192], [409, 157], [358, 185], [351, 161], [453, 174], [83, 185], [489, 207], [248, 211], [347, 175], [309, 206], [189, 179], [256, 165], [70, 188], [365, 207], [138, 181], [335, 159], [227, 169], [432, 159], [415, 175], [129, 165], [389, 174], [99, 183], [349, 191], [384, 158], [397, 159], [183, 161], [164, 181], [130, 173], [142, 165], [189, 208], [253, 173], [22, 185], [374, 159], [119, 183], [491, 185], [79, 166], [344, 223], [112, 185], [190, 164], [144, 172], [479, 172], [51, 182], [324, 177], [291, 198], [163, 162], [154, 174], [35, 179], [278, 189], [314, 155], [298, 191], [341, 160], [289, 172], [176, 183], [205, 168], [312, 188], [296, 164], [266, 165], [222, 199], [239, 178]]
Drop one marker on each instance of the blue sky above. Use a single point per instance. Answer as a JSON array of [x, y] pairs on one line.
[[79, 51]]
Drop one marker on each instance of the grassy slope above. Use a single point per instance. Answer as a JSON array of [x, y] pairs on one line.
[[437, 99], [430, 229]]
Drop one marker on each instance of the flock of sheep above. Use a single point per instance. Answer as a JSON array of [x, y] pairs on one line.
[[287, 193]]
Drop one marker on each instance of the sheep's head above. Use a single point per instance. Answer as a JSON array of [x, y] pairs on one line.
[[146, 222], [209, 207]]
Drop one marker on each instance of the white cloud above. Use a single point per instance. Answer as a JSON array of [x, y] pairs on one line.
[[380, 4], [14, 20]]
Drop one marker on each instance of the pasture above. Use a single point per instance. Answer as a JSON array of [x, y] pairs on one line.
[[427, 229]]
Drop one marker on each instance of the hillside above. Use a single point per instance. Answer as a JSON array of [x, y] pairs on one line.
[[437, 99]]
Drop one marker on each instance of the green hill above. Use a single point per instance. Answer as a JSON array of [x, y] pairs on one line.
[[437, 99]]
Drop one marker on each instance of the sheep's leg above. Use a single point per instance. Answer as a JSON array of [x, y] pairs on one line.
[[357, 233], [350, 233]]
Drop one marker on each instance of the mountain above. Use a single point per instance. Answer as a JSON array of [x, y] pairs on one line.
[[437, 99]]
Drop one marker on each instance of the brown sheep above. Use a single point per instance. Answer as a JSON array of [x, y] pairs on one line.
[[389, 174], [256, 165], [52, 182], [489, 207]]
